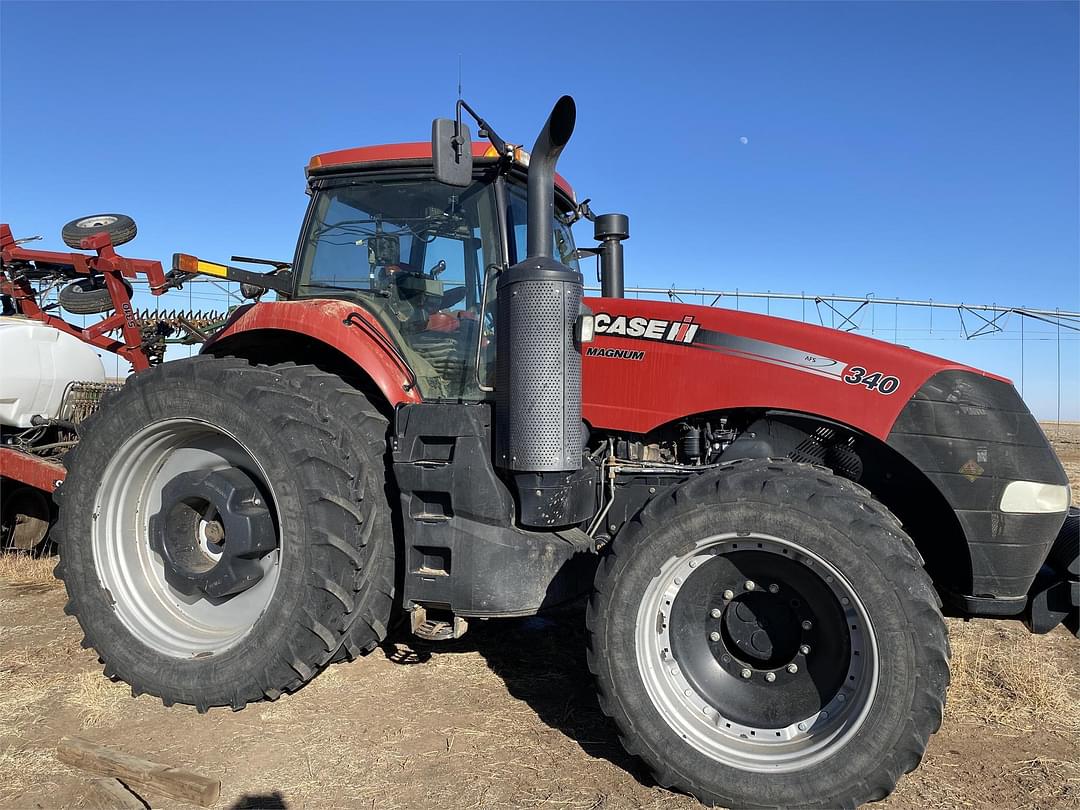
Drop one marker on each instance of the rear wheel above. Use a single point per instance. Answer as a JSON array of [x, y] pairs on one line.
[[766, 636], [216, 528]]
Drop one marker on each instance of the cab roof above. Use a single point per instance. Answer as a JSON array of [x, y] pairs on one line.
[[418, 152]]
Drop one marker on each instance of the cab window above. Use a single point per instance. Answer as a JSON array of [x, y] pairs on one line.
[[413, 252]]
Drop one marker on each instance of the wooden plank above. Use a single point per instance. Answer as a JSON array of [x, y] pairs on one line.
[[154, 777], [110, 794]]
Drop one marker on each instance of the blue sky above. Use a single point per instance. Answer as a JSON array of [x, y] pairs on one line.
[[923, 150]]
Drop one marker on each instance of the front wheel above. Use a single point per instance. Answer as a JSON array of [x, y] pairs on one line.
[[765, 636]]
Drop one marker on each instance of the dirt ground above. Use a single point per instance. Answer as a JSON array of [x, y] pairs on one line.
[[504, 718]]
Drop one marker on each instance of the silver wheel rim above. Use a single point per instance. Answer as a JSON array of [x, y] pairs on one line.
[[705, 726], [162, 618], [97, 221]]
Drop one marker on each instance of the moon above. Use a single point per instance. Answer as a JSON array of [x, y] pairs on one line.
[[744, 140]]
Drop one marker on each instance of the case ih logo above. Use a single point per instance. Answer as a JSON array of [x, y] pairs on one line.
[[682, 331]]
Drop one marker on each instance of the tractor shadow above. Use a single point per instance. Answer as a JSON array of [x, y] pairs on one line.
[[542, 662]]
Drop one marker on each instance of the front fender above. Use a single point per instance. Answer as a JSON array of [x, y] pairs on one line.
[[342, 325]]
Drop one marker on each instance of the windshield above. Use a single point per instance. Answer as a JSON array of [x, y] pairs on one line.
[[415, 253]]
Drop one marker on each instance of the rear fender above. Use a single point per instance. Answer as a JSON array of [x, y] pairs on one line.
[[344, 327]]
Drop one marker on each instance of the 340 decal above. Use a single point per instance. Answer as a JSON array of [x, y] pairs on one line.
[[882, 383]]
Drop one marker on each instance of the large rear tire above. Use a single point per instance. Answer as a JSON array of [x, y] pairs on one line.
[[218, 527], [765, 636]]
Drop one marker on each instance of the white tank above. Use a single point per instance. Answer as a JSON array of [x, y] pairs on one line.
[[36, 364]]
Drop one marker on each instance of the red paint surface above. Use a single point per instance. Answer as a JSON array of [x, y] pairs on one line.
[[675, 380], [672, 380], [418, 151], [324, 320], [30, 470]]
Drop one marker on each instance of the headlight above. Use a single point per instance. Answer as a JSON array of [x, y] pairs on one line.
[[1031, 497]]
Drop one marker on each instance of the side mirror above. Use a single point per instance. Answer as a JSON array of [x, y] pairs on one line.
[[451, 152]]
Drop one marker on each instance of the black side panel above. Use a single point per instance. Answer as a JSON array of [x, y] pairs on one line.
[[971, 435], [462, 549]]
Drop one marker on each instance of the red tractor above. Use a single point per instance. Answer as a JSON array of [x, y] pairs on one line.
[[769, 518]]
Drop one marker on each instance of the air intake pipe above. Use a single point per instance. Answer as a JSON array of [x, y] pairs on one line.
[[610, 230], [538, 366]]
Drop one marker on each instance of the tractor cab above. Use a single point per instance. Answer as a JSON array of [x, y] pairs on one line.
[[421, 255]]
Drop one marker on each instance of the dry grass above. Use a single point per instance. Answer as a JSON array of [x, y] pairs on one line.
[[24, 766], [1001, 676], [23, 568], [22, 699], [1047, 783], [97, 700]]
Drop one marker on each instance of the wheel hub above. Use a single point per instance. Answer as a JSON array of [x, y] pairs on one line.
[[761, 629], [211, 530]]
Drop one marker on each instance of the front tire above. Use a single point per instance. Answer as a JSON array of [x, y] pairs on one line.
[[217, 528], [765, 636]]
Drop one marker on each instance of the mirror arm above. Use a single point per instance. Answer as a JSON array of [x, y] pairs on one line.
[[484, 129]]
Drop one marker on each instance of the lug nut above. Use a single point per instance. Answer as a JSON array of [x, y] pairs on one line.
[[806, 625], [841, 697], [715, 613], [770, 676], [802, 726], [805, 649], [729, 595], [792, 668], [714, 636], [750, 585], [774, 588], [746, 673], [845, 601]]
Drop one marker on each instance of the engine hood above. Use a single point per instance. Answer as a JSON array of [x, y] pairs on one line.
[[653, 362]]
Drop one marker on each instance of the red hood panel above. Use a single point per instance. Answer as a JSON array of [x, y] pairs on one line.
[[653, 362]]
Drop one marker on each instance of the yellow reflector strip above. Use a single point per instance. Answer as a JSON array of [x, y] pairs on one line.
[[211, 269]]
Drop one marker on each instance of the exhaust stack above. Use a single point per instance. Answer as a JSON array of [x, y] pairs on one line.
[[538, 372]]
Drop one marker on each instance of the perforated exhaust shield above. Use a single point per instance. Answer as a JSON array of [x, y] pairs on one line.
[[538, 371]]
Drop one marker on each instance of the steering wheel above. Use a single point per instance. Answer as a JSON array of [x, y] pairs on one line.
[[455, 296]]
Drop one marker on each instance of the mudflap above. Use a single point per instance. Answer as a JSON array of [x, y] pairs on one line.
[[1055, 595]]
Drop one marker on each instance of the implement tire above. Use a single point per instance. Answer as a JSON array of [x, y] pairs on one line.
[[120, 228], [87, 296], [765, 636], [219, 600]]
